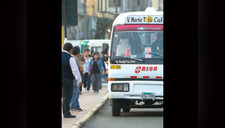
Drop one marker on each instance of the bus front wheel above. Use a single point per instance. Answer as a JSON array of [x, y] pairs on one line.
[[126, 109]]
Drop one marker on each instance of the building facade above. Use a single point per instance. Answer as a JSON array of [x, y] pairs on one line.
[[89, 11]]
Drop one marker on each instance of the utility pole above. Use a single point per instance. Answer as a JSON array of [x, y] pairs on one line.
[[85, 20], [116, 4], [65, 19]]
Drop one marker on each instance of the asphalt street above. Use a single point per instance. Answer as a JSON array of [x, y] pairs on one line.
[[136, 118]]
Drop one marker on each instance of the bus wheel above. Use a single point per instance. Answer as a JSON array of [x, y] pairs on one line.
[[115, 108], [126, 109]]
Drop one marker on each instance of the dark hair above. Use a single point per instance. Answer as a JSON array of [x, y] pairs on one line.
[[92, 52], [96, 53], [76, 50], [67, 46], [87, 49]]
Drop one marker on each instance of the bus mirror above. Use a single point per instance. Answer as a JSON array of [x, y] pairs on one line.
[[105, 48]]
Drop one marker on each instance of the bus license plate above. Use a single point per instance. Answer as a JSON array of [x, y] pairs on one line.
[[148, 95]]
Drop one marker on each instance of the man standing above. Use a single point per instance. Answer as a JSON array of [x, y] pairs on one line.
[[70, 72], [74, 104]]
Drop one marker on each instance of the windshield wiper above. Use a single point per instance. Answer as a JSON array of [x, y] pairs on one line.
[[123, 57], [155, 54], [137, 59]]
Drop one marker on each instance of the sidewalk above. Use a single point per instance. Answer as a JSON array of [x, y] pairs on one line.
[[87, 100]]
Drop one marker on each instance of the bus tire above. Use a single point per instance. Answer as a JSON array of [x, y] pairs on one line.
[[115, 108], [126, 109]]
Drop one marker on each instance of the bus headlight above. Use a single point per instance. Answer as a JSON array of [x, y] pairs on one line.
[[120, 87], [126, 87]]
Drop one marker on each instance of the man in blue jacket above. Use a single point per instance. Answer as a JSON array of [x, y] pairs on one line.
[[100, 82]]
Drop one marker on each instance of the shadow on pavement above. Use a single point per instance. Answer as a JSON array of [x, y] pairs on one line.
[[141, 113]]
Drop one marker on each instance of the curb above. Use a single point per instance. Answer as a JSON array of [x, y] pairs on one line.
[[90, 114]]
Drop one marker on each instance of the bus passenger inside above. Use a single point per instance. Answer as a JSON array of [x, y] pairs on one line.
[[123, 48], [143, 50], [135, 42], [157, 46]]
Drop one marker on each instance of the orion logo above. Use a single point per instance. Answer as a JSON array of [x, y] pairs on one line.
[[138, 69]]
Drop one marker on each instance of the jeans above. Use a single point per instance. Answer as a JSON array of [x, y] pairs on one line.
[[74, 103], [95, 79], [87, 81], [67, 87]]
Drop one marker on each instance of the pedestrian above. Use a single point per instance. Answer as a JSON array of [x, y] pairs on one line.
[[87, 78], [82, 61], [96, 70], [70, 72], [88, 50], [105, 58], [74, 103], [92, 54], [104, 68]]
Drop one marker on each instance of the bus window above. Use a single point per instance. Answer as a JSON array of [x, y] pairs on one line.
[[136, 44]]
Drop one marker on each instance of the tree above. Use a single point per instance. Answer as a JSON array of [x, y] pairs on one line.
[[102, 26]]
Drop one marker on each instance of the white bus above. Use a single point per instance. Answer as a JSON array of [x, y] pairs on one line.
[[136, 61], [96, 45], [93, 44]]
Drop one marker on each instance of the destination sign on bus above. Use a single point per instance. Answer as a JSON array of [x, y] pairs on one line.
[[144, 20], [142, 27]]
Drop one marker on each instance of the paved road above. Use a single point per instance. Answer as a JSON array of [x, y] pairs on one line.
[[136, 118]]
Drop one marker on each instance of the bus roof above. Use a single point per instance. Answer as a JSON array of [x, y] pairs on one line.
[[139, 17]]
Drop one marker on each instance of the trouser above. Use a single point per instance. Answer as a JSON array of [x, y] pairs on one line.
[[81, 74], [67, 92], [74, 103], [95, 78], [87, 81]]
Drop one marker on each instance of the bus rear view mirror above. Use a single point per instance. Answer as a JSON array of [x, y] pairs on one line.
[[105, 48]]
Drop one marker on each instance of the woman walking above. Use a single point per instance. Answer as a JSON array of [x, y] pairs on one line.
[[95, 71]]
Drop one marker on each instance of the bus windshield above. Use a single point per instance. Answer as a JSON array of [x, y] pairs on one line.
[[138, 41]]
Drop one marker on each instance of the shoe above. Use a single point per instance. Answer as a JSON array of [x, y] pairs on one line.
[[73, 109], [70, 116], [88, 91], [97, 92], [79, 109]]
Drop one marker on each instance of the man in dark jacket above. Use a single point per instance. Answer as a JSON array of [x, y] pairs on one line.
[[70, 72]]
